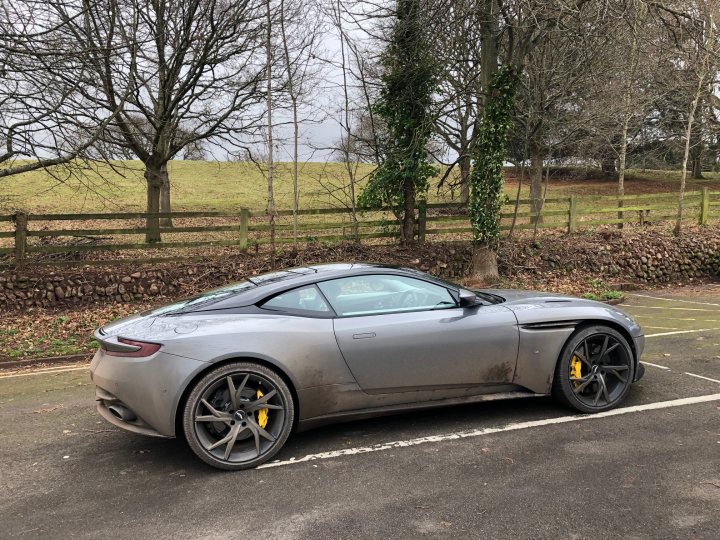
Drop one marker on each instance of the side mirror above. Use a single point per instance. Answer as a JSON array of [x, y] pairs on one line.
[[468, 299]]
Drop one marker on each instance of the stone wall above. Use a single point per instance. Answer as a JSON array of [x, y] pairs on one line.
[[645, 256]]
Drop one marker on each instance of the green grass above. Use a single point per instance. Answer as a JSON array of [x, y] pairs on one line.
[[196, 185], [228, 186]]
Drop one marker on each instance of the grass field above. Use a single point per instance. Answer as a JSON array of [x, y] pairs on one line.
[[224, 186]]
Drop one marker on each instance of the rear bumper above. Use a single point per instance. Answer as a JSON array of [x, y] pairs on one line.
[[149, 387]]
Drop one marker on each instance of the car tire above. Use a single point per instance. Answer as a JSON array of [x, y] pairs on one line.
[[588, 389], [211, 415]]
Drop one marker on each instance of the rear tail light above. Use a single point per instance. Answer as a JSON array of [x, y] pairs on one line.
[[130, 347]]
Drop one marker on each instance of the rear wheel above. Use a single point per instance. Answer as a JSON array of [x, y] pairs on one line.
[[238, 416], [595, 370]]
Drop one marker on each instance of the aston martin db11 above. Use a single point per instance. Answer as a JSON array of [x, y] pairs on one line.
[[237, 369]]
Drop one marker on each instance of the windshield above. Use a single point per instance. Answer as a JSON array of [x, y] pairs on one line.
[[487, 296], [205, 298]]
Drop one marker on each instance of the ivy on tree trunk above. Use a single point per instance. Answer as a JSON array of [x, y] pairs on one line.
[[486, 180], [408, 81]]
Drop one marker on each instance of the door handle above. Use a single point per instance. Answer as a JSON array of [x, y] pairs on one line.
[[366, 335]]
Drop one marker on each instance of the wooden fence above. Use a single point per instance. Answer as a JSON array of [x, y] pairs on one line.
[[69, 239]]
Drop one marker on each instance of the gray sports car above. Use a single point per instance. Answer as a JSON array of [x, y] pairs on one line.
[[237, 369]]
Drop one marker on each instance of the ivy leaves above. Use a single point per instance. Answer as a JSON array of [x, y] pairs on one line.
[[486, 179]]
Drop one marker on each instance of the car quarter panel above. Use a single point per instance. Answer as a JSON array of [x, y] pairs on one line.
[[304, 348]]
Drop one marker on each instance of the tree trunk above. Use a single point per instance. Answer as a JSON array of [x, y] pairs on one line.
[[697, 168], [621, 168], [153, 176], [465, 165], [270, 142], [407, 232], [686, 156], [608, 167], [485, 266], [536, 178], [488, 46], [165, 197]]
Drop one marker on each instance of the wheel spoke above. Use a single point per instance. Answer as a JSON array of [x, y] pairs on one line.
[[264, 434], [598, 394], [257, 440], [206, 418], [213, 410], [612, 347], [603, 386], [617, 368], [222, 441], [617, 375], [260, 403], [584, 357], [604, 349], [233, 392], [584, 385], [238, 393], [235, 431]]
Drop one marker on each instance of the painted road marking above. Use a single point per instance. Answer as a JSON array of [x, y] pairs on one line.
[[654, 365], [381, 447], [46, 372], [681, 332], [666, 308], [659, 327], [672, 299], [702, 377]]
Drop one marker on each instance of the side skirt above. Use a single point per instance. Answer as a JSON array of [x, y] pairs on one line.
[[373, 412]]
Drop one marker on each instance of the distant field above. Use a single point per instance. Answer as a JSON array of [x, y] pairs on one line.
[[198, 185]]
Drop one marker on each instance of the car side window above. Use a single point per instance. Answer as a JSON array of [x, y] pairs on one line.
[[303, 300], [384, 293]]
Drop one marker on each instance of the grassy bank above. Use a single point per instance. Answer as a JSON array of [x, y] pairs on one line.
[[201, 185]]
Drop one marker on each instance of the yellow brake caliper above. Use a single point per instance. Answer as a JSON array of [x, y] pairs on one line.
[[575, 370], [262, 413]]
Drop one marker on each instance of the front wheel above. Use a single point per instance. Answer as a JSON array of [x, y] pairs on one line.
[[238, 416], [595, 370]]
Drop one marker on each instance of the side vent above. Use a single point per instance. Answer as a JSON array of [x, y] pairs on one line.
[[550, 325]]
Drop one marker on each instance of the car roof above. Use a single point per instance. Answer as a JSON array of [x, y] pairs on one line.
[[273, 283]]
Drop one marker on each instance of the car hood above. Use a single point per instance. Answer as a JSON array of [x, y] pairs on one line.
[[531, 307], [518, 296]]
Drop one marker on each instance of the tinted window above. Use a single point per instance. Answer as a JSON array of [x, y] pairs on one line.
[[384, 293], [304, 299]]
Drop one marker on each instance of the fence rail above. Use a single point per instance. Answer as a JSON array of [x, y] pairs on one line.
[[38, 239]]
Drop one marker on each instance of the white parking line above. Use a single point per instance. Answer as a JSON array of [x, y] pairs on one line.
[[659, 327], [702, 377], [673, 299], [654, 365], [381, 447], [44, 372], [681, 332]]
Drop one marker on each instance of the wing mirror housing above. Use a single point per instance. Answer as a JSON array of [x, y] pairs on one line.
[[468, 299]]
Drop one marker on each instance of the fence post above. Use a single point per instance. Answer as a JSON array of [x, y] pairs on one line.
[[572, 218], [244, 222], [21, 221], [422, 222], [704, 206]]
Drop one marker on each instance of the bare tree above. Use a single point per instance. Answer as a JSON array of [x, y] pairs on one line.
[[300, 30], [193, 69], [46, 116]]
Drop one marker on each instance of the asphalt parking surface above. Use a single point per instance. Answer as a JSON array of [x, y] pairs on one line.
[[651, 472]]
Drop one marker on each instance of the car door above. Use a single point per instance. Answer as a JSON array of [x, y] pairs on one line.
[[398, 333]]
